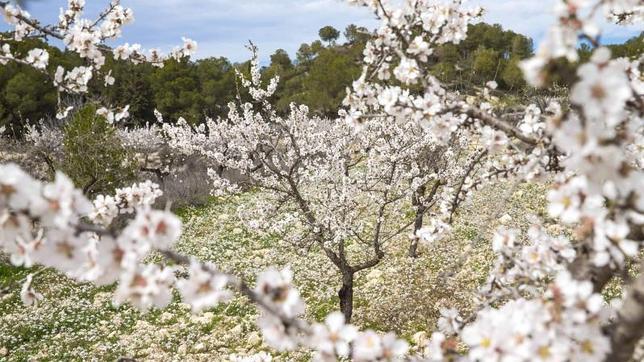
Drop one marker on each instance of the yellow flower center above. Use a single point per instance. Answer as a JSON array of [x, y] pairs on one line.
[[486, 342], [587, 347], [544, 352], [566, 201]]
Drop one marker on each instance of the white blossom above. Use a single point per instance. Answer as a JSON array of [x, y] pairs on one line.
[[204, 288]]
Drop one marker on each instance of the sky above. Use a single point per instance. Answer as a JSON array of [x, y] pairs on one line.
[[223, 27]]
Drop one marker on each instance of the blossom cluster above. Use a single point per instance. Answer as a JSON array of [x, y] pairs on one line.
[[332, 339], [62, 241], [406, 38], [565, 324], [319, 159], [113, 117], [125, 201], [526, 266], [602, 191], [333, 168], [593, 150], [594, 143], [548, 314]]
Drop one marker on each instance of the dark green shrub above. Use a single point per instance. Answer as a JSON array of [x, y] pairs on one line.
[[95, 158]]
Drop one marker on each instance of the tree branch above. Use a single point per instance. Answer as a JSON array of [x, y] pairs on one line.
[[628, 329]]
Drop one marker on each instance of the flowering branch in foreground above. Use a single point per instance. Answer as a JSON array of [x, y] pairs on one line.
[[593, 150], [104, 255]]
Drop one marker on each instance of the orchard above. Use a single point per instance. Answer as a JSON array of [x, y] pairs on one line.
[[386, 178]]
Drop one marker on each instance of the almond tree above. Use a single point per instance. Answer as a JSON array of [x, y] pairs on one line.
[[325, 186]]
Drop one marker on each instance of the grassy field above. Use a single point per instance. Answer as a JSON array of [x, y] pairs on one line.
[[79, 321]]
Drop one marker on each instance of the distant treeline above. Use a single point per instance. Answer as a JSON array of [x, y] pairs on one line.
[[317, 76]]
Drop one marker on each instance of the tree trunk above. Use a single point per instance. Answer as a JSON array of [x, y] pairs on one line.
[[346, 295], [628, 330], [418, 222]]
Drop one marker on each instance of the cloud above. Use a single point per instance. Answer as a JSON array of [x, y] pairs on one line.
[[223, 27]]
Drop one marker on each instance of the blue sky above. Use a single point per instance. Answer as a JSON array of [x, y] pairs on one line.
[[222, 27]]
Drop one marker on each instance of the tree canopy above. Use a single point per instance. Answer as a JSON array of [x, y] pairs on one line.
[[317, 75]]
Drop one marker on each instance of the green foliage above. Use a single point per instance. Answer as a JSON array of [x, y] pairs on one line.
[[521, 46], [486, 64], [632, 48], [329, 34], [94, 158], [281, 59], [322, 85], [131, 86], [356, 34], [191, 90], [317, 76], [216, 77], [488, 53], [512, 76], [176, 91], [307, 53], [320, 76], [26, 95]]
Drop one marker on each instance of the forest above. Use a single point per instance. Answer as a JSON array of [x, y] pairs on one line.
[[317, 76]]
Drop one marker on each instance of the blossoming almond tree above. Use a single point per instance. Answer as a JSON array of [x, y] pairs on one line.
[[542, 300], [326, 187]]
